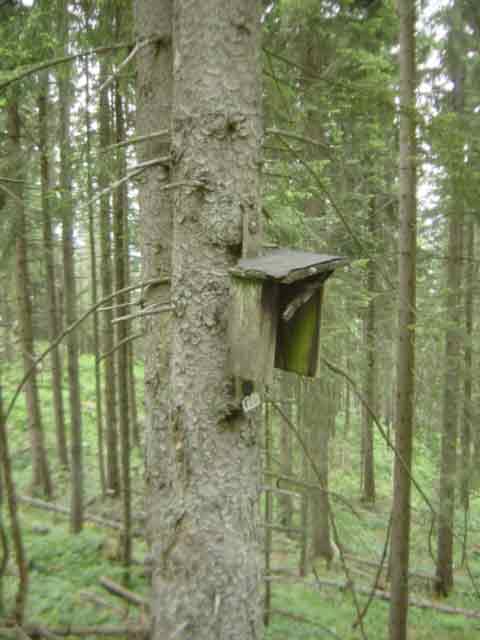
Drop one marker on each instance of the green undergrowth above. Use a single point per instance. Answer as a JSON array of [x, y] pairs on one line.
[[65, 569], [64, 572]]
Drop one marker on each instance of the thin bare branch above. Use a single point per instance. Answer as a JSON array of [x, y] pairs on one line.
[[149, 311], [136, 140], [53, 62], [71, 328], [333, 523], [133, 173], [117, 346], [138, 46]]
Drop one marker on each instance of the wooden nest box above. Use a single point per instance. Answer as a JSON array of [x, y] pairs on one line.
[[276, 305]]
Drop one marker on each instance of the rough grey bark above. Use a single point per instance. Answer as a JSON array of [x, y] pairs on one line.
[[203, 522], [41, 479], [404, 412], [70, 287], [48, 249], [154, 102], [453, 337]]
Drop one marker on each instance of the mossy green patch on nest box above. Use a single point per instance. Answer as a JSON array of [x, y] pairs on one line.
[[276, 311]]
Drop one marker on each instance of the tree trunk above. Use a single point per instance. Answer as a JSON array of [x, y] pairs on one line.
[[121, 248], [48, 248], [40, 471], [206, 577], [154, 103], [453, 340], [317, 418], [106, 271], [404, 413], [285, 501], [368, 475], [70, 287], [467, 418], [94, 287], [16, 531]]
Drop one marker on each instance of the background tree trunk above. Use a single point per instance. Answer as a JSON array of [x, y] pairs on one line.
[[70, 285], [94, 287], [453, 338], [40, 471], [48, 247], [404, 413], [106, 271], [318, 407], [121, 250], [370, 330]]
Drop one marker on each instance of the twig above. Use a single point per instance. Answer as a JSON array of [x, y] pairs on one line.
[[39, 631], [53, 62], [183, 183], [297, 618], [377, 575], [295, 136], [136, 140], [333, 523], [336, 369], [117, 346], [46, 633], [14, 180], [71, 328], [55, 508], [414, 602], [149, 311], [316, 487], [117, 590], [131, 55], [133, 173], [112, 307], [95, 599]]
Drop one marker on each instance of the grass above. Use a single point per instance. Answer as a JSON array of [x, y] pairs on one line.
[[63, 567]]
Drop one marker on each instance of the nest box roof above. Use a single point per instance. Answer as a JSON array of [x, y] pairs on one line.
[[286, 265]]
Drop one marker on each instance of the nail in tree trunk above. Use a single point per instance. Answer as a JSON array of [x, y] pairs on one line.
[[49, 256], [206, 577], [404, 413], [41, 480], [70, 286]]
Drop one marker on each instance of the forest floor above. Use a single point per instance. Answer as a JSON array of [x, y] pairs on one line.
[[65, 569]]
